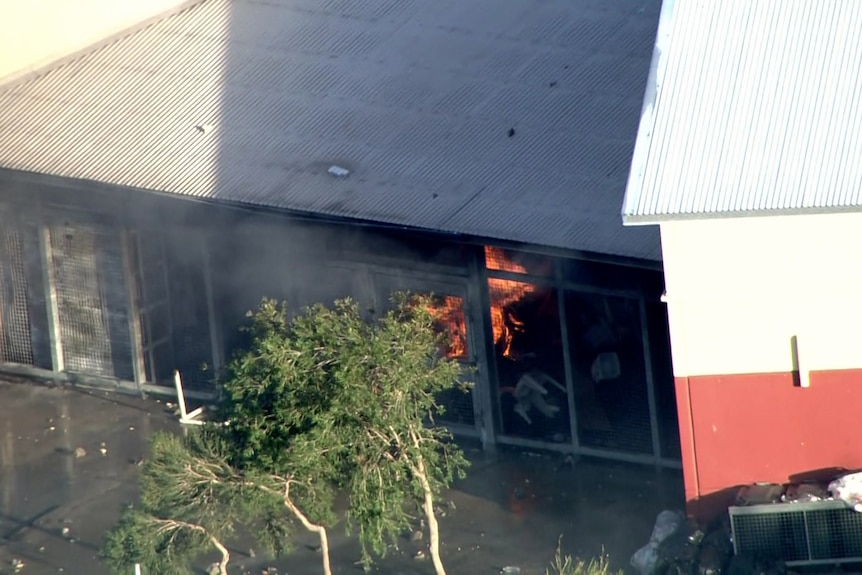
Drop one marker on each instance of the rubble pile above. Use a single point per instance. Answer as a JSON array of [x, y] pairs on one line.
[[679, 546]]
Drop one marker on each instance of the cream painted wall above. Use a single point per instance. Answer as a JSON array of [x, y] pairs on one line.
[[739, 289], [34, 33]]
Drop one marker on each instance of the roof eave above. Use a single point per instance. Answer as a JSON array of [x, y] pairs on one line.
[[657, 219], [646, 127], [632, 220]]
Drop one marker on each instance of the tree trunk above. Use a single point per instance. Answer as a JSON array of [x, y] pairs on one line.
[[433, 527], [225, 555], [319, 529]]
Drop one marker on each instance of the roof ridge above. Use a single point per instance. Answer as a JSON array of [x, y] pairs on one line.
[[29, 74]]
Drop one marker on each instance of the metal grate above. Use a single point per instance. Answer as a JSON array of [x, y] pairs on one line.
[[458, 405], [91, 301], [500, 259], [451, 317], [15, 335], [835, 534], [611, 392], [531, 389], [804, 533]]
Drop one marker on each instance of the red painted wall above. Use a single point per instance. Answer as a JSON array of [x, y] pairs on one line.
[[740, 429]]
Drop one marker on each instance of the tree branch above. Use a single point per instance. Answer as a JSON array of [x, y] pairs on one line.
[[175, 525], [319, 529]]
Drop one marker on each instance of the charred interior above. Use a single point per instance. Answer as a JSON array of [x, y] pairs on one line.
[[564, 353], [570, 357]]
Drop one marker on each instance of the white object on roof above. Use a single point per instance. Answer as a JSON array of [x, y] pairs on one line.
[[338, 171]]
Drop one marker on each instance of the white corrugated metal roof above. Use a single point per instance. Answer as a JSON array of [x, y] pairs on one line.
[[751, 106], [252, 101]]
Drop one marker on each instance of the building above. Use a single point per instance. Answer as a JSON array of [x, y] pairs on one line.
[[748, 160], [156, 185]]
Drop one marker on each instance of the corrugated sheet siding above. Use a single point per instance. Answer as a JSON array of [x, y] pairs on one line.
[[759, 108], [415, 98]]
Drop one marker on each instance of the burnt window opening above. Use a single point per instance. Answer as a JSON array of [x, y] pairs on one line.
[[504, 260], [450, 322], [531, 389]]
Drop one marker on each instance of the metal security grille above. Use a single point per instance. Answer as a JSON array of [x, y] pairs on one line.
[[611, 385], [83, 320], [91, 303], [804, 533], [450, 315], [458, 404], [15, 337], [451, 319]]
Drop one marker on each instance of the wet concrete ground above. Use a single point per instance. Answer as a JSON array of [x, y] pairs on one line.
[[59, 493]]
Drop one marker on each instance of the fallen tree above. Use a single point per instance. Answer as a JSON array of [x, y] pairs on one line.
[[314, 404]]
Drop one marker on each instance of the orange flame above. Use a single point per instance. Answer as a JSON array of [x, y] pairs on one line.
[[496, 259], [448, 314], [504, 323], [503, 293]]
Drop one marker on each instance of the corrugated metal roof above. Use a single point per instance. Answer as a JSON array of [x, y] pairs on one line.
[[751, 107], [252, 100]]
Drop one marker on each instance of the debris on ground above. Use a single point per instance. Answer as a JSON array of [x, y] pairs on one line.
[[666, 524], [677, 554], [805, 492], [678, 545], [848, 488], [759, 494], [80, 452]]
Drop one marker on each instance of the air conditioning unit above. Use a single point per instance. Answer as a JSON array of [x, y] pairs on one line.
[[806, 533]]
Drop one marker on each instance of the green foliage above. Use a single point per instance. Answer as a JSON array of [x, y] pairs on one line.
[[318, 403], [566, 565], [402, 372], [334, 400], [160, 546], [190, 498]]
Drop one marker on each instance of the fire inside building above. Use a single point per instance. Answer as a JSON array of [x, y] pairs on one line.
[[568, 354], [155, 185]]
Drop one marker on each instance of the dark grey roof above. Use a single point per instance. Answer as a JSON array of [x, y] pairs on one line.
[[252, 101]]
